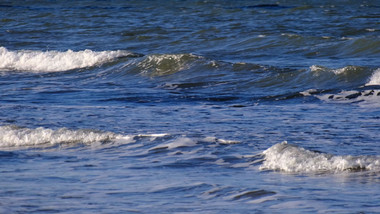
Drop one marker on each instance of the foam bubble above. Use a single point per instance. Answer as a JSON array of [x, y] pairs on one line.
[[50, 61], [290, 158]]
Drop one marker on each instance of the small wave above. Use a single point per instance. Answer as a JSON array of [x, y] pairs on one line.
[[165, 64], [255, 194], [345, 77], [290, 158], [177, 143], [338, 71], [181, 142], [361, 46], [356, 85], [13, 136], [53, 61]]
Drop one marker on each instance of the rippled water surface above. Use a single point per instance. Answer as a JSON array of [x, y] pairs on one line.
[[189, 106]]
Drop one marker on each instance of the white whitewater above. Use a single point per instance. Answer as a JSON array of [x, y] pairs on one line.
[[53, 61], [290, 158], [375, 78], [12, 136]]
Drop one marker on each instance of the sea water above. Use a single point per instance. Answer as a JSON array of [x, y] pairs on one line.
[[189, 106]]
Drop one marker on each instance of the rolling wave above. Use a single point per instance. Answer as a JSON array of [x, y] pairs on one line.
[[54, 61], [282, 157], [198, 70], [13, 136], [166, 64], [364, 91], [184, 70], [290, 158], [188, 72]]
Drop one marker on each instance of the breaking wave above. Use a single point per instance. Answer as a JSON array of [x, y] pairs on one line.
[[351, 74], [13, 136], [359, 85], [291, 158], [53, 61], [211, 77], [375, 78], [280, 157]]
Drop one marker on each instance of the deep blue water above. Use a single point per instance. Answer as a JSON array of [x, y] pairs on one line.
[[189, 106]]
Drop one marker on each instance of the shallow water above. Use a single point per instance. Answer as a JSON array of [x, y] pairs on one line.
[[189, 107]]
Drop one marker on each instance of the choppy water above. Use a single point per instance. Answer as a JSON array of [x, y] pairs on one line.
[[189, 106]]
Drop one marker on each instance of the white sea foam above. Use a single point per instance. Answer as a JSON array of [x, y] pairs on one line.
[[363, 98], [290, 158], [50, 61], [11, 136], [375, 78]]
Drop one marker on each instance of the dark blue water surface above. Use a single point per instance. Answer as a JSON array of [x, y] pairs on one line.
[[189, 106]]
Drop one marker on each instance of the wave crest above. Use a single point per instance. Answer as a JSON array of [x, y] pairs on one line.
[[347, 70], [12, 136], [53, 61], [290, 158], [165, 64], [375, 78]]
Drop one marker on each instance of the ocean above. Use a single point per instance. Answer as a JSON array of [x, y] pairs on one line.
[[190, 106]]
